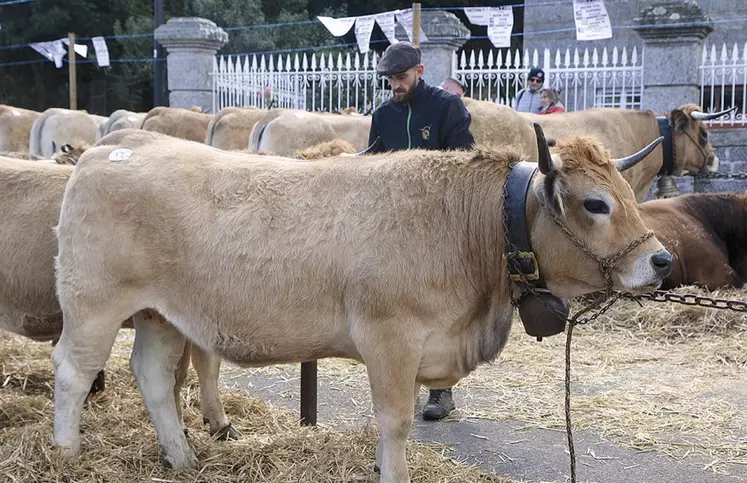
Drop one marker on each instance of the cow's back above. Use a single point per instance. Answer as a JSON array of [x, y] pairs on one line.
[[495, 125], [232, 126], [622, 131], [15, 128], [56, 127], [30, 197], [120, 119], [291, 132], [178, 123]]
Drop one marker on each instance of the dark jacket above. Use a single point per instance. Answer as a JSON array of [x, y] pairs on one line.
[[432, 119]]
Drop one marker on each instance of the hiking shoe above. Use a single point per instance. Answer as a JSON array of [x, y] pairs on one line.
[[439, 405]]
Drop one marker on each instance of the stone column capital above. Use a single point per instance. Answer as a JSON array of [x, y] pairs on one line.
[[670, 20], [190, 33]]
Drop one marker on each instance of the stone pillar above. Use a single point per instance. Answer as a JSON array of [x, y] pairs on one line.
[[672, 52], [191, 44], [446, 34]]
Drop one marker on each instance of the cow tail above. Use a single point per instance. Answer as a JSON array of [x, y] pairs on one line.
[[35, 134], [211, 130]]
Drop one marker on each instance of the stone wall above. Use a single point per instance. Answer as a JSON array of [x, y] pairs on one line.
[[731, 148], [541, 18]]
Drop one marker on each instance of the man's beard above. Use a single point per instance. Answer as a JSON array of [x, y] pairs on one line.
[[403, 97]]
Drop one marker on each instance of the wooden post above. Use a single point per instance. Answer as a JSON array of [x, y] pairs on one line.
[[308, 393], [416, 24], [71, 70]]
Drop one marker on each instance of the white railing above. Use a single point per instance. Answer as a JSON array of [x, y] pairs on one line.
[[723, 83], [313, 83], [584, 80]]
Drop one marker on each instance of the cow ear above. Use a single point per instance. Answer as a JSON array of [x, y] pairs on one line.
[[679, 118], [552, 193]]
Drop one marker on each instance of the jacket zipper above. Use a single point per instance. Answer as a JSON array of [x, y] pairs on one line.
[[409, 116]]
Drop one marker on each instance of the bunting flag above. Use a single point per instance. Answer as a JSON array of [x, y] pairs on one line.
[[337, 26], [102, 51], [52, 50], [386, 23], [592, 20], [80, 49], [500, 25], [363, 28]]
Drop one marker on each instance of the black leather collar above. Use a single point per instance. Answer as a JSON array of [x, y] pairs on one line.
[[665, 129], [522, 264]]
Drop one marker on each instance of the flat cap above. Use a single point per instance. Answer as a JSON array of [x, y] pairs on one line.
[[398, 58]]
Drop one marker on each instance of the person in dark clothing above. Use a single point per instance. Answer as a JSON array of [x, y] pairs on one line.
[[418, 116]]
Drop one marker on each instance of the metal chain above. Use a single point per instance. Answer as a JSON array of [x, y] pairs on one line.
[[709, 175], [606, 304], [692, 300]]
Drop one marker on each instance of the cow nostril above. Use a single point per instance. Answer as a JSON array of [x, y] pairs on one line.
[[662, 262]]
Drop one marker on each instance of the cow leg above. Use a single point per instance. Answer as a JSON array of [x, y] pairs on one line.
[[416, 397], [392, 380], [155, 357], [82, 351], [99, 384], [208, 372], [180, 375]]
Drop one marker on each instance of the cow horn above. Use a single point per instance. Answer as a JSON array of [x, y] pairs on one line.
[[543, 151], [701, 116], [628, 162]]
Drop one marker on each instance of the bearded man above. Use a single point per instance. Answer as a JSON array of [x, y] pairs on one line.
[[417, 116]]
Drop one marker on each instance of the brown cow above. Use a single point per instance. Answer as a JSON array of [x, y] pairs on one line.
[[706, 234], [177, 122], [30, 197], [394, 260], [15, 127], [624, 131], [231, 127]]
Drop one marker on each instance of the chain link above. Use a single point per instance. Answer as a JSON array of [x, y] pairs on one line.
[[709, 175], [692, 300]]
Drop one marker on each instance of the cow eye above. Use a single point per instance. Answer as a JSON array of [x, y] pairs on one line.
[[704, 135], [598, 207]]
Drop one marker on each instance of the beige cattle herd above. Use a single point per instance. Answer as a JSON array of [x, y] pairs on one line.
[[259, 237]]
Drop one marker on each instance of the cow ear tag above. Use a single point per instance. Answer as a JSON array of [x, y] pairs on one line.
[[120, 154]]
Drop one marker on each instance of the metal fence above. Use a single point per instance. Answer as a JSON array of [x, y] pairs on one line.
[[314, 83], [584, 80], [723, 83]]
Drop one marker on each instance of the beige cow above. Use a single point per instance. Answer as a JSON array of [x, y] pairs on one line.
[[496, 125], [291, 131], [120, 119], [624, 131], [57, 126], [395, 260], [178, 123], [231, 127], [15, 127], [30, 197]]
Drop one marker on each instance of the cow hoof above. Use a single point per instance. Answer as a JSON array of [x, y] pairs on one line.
[[225, 434], [376, 468], [186, 432], [187, 462]]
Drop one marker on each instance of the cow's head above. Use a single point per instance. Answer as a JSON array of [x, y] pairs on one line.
[[693, 151], [70, 154], [585, 213]]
